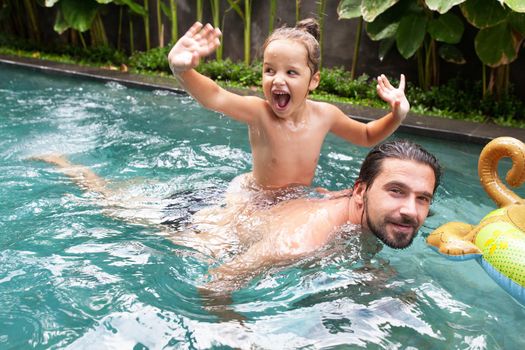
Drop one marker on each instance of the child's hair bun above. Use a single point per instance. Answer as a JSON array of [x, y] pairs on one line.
[[309, 25]]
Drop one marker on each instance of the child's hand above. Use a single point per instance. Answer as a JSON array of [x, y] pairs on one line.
[[395, 97], [198, 42]]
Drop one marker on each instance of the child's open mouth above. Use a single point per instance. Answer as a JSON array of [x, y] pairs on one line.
[[281, 98]]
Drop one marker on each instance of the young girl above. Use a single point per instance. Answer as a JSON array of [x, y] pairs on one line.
[[286, 128]]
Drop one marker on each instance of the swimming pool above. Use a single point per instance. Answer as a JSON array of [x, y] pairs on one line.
[[71, 277]]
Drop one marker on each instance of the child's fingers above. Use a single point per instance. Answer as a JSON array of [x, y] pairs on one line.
[[386, 82], [208, 33], [194, 29], [402, 83], [380, 83]]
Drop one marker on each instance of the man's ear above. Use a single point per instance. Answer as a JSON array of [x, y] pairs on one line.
[[358, 193], [314, 81]]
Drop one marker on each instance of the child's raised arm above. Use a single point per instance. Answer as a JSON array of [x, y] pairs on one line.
[[198, 42], [376, 131]]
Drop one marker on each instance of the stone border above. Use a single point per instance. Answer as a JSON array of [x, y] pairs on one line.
[[449, 129]]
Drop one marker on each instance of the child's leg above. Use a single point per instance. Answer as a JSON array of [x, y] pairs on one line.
[[81, 175]]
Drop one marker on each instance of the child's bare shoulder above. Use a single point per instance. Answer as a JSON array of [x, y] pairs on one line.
[[324, 110]]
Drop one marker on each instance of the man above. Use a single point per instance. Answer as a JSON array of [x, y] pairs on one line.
[[391, 198]]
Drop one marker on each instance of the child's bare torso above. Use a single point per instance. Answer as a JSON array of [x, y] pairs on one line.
[[286, 152]]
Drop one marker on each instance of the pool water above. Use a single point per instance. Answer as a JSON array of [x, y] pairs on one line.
[[72, 277]]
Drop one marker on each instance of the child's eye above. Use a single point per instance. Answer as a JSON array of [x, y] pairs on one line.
[[292, 72], [268, 71]]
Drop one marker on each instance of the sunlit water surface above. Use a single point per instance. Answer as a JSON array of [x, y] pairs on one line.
[[72, 277]]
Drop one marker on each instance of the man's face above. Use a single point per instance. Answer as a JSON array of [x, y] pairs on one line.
[[397, 202]]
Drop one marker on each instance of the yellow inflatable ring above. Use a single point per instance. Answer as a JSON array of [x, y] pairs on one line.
[[498, 241]]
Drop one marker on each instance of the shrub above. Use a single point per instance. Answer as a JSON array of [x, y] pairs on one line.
[[152, 60]]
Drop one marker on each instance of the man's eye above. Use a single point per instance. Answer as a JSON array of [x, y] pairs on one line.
[[396, 190], [425, 199]]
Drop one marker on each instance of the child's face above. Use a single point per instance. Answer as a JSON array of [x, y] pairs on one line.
[[286, 76]]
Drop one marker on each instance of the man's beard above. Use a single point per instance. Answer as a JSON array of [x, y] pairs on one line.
[[379, 230]]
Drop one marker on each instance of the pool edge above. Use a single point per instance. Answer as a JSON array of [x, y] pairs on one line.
[[449, 129]]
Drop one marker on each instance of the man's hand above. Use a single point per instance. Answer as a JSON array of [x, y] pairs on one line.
[[199, 41], [395, 97]]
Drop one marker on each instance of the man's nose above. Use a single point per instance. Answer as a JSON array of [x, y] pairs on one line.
[[409, 208]]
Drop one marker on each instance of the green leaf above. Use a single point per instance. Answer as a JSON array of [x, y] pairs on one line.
[[104, 2], [517, 22], [497, 45], [60, 25], [451, 54], [483, 13], [79, 14], [349, 9], [384, 47], [235, 6], [166, 10], [442, 6], [411, 33], [516, 5], [385, 25], [447, 28], [379, 31], [133, 6], [370, 9], [51, 3]]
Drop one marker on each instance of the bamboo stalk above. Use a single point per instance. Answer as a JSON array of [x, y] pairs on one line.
[[215, 8], [174, 23], [159, 25], [357, 44], [273, 11], [321, 9], [33, 24], [146, 25], [297, 10], [247, 30], [199, 10], [131, 36], [119, 30]]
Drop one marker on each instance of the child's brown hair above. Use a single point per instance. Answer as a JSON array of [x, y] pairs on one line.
[[305, 32]]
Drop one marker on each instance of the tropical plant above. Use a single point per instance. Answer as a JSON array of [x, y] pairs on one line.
[[347, 10], [499, 39], [171, 13], [174, 22], [160, 25], [245, 13], [297, 10], [81, 16], [215, 13], [20, 17], [271, 18], [145, 19], [321, 13], [198, 9], [424, 29]]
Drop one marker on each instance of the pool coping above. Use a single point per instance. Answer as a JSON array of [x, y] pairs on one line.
[[442, 128]]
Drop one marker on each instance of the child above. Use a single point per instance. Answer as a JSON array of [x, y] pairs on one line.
[[286, 128]]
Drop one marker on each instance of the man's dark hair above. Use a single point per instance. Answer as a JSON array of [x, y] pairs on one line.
[[397, 149]]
